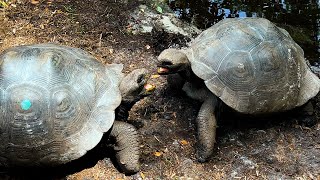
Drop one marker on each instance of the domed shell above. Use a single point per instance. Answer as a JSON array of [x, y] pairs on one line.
[[253, 66], [56, 103]]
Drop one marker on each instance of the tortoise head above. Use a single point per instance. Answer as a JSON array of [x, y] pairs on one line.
[[172, 61], [135, 85]]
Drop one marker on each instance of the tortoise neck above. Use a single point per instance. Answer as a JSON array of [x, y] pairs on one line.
[[189, 76], [122, 111]]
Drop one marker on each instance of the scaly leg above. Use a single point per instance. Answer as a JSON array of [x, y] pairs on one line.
[[206, 128], [206, 120], [126, 146]]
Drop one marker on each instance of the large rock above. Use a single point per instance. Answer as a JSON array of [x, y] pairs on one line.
[[144, 20]]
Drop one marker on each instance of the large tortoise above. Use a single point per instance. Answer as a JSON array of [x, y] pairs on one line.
[[58, 101], [250, 64]]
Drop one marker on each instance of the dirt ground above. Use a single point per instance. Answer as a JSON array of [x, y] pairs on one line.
[[277, 147]]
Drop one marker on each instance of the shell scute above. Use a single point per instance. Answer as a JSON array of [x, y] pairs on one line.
[[203, 57], [237, 71]]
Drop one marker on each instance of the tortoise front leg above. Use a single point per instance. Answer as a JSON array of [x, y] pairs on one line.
[[206, 119], [206, 128], [126, 146]]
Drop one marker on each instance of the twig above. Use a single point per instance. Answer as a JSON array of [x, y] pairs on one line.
[[100, 39], [157, 139]]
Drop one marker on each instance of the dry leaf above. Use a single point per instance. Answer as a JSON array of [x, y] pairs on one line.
[[174, 114], [34, 1], [3, 4], [149, 87], [155, 76], [142, 175], [46, 10], [184, 142], [59, 11], [157, 153]]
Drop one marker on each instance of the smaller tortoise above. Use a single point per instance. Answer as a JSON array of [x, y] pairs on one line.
[[250, 64], [58, 101]]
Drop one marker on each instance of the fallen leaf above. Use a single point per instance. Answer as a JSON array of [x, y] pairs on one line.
[[46, 10], [149, 87], [111, 51], [159, 9], [59, 11], [142, 175], [3, 4], [174, 114], [157, 153], [34, 1], [184, 142], [154, 76]]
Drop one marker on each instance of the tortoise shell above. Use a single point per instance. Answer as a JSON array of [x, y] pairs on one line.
[[253, 66], [56, 103]]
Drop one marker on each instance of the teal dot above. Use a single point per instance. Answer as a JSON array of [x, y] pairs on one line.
[[25, 104]]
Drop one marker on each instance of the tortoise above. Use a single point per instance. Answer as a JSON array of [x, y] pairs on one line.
[[249, 64], [57, 102]]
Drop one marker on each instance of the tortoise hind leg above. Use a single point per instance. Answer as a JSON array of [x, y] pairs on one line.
[[308, 114], [206, 128], [126, 146]]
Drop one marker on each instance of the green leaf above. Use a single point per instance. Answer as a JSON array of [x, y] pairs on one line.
[[3, 4], [159, 9]]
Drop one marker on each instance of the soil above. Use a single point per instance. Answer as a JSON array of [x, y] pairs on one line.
[[284, 146]]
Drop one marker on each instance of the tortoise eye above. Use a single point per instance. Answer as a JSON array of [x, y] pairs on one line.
[[140, 78], [166, 63]]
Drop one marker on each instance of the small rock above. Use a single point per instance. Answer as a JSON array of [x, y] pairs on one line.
[[176, 146], [167, 116], [261, 131], [186, 165], [144, 20], [269, 160], [246, 161]]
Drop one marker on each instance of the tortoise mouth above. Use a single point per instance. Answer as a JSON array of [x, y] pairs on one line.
[[165, 67], [163, 70]]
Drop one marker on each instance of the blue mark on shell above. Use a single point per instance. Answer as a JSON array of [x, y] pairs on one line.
[[26, 104]]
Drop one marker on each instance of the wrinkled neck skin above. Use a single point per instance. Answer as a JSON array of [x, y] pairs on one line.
[[198, 91], [187, 73], [122, 112], [189, 76]]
